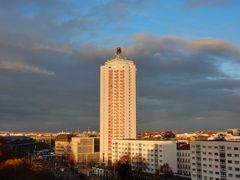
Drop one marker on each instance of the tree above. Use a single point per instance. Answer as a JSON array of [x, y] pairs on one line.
[[123, 168], [19, 169], [168, 135], [166, 170], [5, 151]]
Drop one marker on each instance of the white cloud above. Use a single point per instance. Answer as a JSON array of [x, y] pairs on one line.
[[19, 66]]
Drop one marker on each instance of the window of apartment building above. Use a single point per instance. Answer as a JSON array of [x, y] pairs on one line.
[[237, 169], [229, 155], [230, 168], [222, 160], [236, 155], [204, 147], [222, 154], [230, 175], [216, 172], [209, 153], [222, 147], [229, 148], [215, 154], [215, 147], [237, 175], [236, 162], [210, 172], [216, 160], [209, 147], [230, 161], [235, 148]]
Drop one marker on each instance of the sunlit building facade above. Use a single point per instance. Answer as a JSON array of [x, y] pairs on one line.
[[117, 103], [85, 150], [146, 155]]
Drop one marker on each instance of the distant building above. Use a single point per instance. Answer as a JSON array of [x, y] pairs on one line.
[[85, 149], [146, 155], [21, 146], [48, 138], [63, 145], [117, 103], [234, 132], [215, 160]]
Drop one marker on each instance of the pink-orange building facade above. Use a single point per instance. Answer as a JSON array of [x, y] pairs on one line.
[[117, 103]]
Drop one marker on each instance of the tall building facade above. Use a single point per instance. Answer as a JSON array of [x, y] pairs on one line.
[[117, 103]]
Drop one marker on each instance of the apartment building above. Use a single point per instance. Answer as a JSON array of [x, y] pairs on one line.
[[215, 160], [146, 155], [183, 160], [117, 102]]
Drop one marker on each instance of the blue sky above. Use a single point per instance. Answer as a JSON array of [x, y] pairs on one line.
[[186, 51]]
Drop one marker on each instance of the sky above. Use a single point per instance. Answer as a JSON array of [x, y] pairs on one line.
[[187, 53]]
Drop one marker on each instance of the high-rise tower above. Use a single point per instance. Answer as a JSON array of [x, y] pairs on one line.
[[117, 102]]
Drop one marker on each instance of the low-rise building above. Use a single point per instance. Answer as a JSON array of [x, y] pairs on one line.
[[146, 155], [63, 145], [215, 160], [85, 149], [234, 131], [20, 146]]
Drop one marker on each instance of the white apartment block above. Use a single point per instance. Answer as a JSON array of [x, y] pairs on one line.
[[146, 155], [184, 163], [85, 149], [117, 103], [215, 160]]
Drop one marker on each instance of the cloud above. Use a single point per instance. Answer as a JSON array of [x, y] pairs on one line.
[[17, 66], [179, 80]]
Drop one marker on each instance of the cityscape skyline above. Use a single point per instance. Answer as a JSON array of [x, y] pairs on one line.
[[187, 54]]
